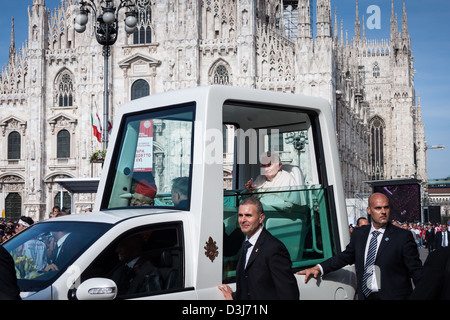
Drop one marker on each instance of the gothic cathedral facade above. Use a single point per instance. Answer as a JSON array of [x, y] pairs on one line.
[[53, 84]]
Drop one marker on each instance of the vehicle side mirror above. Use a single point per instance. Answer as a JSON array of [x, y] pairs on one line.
[[97, 289]]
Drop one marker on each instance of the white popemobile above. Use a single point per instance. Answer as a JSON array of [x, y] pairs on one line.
[[186, 249]]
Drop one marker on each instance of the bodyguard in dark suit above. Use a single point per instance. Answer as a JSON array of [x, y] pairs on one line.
[[429, 237], [395, 257], [9, 289], [264, 271], [442, 238]]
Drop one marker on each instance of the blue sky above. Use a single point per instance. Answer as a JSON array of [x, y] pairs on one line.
[[429, 28]]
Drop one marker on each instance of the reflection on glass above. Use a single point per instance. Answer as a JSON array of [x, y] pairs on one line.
[[302, 227], [45, 250], [155, 150]]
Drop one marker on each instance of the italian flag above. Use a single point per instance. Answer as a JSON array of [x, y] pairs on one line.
[[97, 127]]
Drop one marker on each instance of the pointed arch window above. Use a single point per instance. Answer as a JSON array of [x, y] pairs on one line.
[[143, 33], [14, 143], [221, 75], [63, 144], [377, 148], [64, 90]]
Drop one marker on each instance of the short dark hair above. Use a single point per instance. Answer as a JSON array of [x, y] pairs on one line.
[[28, 220], [255, 202], [359, 219], [181, 184]]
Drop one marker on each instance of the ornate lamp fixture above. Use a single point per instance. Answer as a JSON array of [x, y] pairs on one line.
[[106, 31]]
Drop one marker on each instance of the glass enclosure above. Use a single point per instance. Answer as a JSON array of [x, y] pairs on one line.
[[153, 164], [297, 202], [303, 228]]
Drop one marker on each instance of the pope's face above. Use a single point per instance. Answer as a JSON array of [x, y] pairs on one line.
[[270, 169], [249, 219]]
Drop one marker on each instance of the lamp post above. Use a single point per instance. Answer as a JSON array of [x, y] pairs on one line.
[[299, 141], [106, 31]]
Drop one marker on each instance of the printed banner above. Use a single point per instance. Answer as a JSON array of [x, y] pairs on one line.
[[143, 161]]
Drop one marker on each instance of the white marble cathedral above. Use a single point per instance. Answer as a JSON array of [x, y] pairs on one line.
[[54, 82]]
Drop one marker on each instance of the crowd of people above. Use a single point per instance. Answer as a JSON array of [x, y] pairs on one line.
[[9, 228], [423, 233], [426, 235]]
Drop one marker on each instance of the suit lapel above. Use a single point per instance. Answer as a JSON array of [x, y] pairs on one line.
[[362, 248], [257, 248], [365, 235], [385, 239]]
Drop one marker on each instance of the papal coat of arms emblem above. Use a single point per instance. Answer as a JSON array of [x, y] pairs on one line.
[[211, 249]]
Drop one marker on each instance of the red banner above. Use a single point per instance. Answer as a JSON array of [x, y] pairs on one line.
[[143, 160]]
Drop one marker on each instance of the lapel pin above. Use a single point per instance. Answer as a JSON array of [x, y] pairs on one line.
[[257, 249], [387, 239]]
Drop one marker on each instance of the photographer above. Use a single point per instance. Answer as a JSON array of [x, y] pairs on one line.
[[9, 231]]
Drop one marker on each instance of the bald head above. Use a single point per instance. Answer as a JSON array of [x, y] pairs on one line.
[[379, 210], [376, 195]]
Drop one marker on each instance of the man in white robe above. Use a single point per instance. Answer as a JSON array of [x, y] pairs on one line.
[[273, 178]]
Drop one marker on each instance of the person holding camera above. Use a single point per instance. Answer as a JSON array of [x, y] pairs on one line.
[[9, 230]]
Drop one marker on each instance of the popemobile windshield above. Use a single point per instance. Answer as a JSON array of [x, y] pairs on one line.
[[167, 202]]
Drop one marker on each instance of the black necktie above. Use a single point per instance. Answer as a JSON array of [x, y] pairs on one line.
[[241, 271]]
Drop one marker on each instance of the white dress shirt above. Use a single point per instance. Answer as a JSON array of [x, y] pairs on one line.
[[252, 240], [376, 275], [444, 239]]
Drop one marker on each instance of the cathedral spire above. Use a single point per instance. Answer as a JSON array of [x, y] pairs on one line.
[[364, 28], [357, 24], [335, 25], [392, 10], [405, 33], [323, 23], [304, 19], [12, 46], [394, 27]]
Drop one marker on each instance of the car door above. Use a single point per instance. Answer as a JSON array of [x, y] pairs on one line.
[[146, 262]]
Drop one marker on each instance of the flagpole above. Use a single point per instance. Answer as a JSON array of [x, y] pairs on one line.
[[106, 54]]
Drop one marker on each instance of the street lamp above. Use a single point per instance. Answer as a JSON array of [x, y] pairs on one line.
[[298, 140], [106, 31]]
